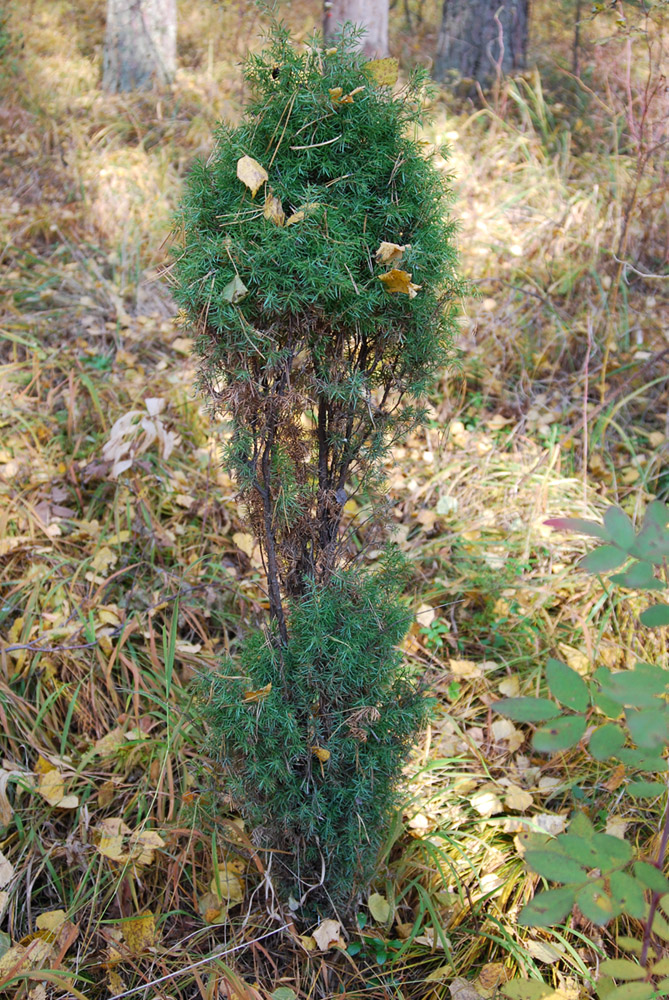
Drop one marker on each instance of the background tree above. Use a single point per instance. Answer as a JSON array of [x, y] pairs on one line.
[[140, 44], [479, 39], [372, 15]]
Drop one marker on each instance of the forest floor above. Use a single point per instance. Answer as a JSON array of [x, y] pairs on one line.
[[121, 872]]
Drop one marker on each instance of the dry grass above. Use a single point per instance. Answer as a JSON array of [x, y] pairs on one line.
[[115, 590]]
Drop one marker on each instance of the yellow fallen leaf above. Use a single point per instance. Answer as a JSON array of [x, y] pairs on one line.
[[51, 787], [400, 281], [308, 942], [510, 686], [302, 212], [321, 753], [259, 694], [211, 908], [139, 933], [465, 668], [379, 907], [142, 845], [438, 975], [518, 799], [103, 559], [383, 72], [486, 803], [251, 173], [109, 743], [388, 252], [51, 920], [23, 957], [327, 935], [227, 885], [244, 541], [235, 290], [110, 838], [6, 870], [273, 210]]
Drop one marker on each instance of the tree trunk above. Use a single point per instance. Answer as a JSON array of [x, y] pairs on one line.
[[140, 44], [482, 39], [372, 15]]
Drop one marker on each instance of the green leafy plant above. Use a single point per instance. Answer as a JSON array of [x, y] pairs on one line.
[[322, 310], [623, 717]]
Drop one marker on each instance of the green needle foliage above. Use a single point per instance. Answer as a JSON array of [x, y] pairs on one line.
[[316, 264]]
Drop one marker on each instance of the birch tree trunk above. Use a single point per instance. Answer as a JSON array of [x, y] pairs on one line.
[[372, 15], [140, 44], [480, 38]]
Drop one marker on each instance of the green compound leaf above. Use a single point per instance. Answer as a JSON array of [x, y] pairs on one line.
[[527, 709], [645, 789], [649, 728], [601, 850], [567, 686], [580, 525], [660, 968], [607, 706], [622, 968], [656, 616], [651, 876], [595, 904], [633, 945], [660, 927], [638, 688], [639, 576], [619, 527], [607, 741], [547, 908], [628, 892], [632, 991], [560, 734], [603, 559], [656, 513], [642, 761], [581, 826], [555, 867]]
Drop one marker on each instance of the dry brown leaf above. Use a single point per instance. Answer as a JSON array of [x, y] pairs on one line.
[[337, 95], [259, 694], [327, 934], [400, 281], [251, 173], [273, 210], [388, 252]]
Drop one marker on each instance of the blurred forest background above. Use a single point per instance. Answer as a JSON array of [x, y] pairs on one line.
[[126, 568]]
